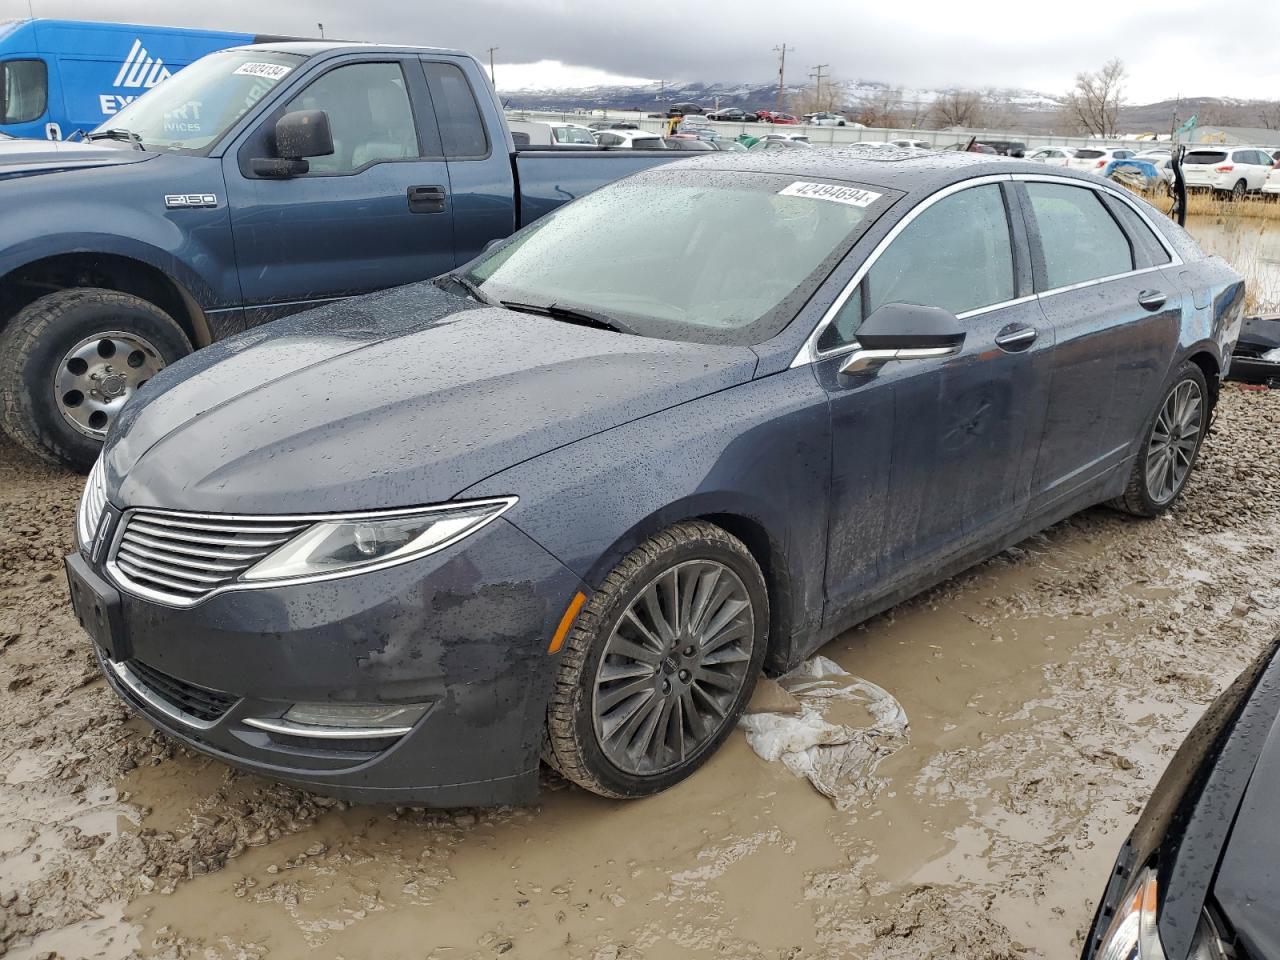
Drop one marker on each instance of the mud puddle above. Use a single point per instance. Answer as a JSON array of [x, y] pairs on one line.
[[1045, 689]]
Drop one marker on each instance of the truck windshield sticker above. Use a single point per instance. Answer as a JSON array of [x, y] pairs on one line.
[[271, 71], [851, 196]]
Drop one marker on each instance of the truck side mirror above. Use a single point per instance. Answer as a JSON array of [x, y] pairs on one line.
[[299, 134]]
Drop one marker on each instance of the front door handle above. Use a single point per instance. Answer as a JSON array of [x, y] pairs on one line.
[[427, 199], [1013, 338], [1152, 299]]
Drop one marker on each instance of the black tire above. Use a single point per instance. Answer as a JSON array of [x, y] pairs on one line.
[[573, 747], [1138, 498], [1240, 190], [36, 341]]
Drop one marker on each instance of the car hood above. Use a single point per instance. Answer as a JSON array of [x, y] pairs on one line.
[[24, 158], [401, 398], [1248, 882]]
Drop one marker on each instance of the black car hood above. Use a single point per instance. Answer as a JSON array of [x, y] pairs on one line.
[[401, 398], [24, 158], [1247, 888]]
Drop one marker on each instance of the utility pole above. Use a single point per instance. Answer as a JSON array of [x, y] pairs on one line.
[[816, 77], [1173, 124], [782, 73], [321, 26], [662, 88]]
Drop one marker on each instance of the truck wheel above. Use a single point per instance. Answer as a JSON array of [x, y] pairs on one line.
[[659, 663], [1170, 445], [70, 361]]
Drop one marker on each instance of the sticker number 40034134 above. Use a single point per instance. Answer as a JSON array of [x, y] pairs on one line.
[[853, 196]]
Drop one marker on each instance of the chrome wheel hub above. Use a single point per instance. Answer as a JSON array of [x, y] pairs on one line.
[[98, 375], [673, 667], [1174, 438]]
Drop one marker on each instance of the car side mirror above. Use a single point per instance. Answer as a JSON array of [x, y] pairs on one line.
[[904, 331], [299, 134]]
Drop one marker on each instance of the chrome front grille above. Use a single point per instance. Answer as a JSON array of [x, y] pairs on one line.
[[182, 558]]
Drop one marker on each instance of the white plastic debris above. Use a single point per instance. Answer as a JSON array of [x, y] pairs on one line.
[[843, 727]]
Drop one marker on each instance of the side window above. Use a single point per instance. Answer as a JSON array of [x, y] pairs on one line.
[[956, 255], [24, 90], [1143, 236], [1081, 240], [369, 113], [457, 113]]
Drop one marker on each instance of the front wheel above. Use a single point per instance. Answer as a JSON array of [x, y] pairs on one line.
[[659, 664], [71, 360], [1170, 445]]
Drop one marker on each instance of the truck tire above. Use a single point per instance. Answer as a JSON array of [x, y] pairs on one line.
[[1170, 444], [659, 663], [69, 362]]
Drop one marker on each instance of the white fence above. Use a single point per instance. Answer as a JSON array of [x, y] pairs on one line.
[[836, 136]]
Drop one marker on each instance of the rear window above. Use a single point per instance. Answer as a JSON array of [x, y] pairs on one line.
[[647, 143], [1205, 156], [1089, 154], [462, 131]]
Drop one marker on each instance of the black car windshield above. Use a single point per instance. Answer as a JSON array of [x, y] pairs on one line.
[[191, 110], [709, 257]]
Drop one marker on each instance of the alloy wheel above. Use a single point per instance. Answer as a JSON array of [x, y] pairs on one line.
[[99, 374], [673, 667], [1174, 438]]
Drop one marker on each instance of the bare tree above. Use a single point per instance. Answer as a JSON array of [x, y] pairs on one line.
[[817, 99], [959, 108], [1096, 99], [882, 107], [1269, 114]]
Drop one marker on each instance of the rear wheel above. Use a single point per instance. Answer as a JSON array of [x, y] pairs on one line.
[[659, 663], [70, 361], [1239, 190], [1171, 444]]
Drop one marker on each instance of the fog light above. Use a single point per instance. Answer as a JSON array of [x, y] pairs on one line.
[[380, 715]]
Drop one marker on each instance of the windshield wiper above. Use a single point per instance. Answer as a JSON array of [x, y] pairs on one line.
[[466, 284], [568, 314], [117, 133]]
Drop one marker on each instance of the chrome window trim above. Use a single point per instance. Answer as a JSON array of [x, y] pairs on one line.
[[125, 583], [809, 352], [144, 693]]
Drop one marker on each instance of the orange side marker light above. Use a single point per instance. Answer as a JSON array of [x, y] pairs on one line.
[[566, 621]]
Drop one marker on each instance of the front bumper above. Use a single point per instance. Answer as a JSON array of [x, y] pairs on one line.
[[465, 631]]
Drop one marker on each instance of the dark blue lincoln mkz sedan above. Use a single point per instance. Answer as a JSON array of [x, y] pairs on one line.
[[568, 501]]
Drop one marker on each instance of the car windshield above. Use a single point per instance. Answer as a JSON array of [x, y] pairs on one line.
[[683, 255], [191, 110]]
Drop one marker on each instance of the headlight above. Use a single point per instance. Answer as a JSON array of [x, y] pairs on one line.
[[356, 543], [92, 503], [1132, 933]]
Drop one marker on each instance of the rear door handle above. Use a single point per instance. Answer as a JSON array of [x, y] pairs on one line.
[[1016, 337], [1152, 299], [427, 199]]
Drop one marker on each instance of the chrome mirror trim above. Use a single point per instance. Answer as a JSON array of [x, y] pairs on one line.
[[862, 360]]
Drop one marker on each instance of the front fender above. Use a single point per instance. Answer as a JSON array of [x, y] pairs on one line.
[[755, 457], [121, 211]]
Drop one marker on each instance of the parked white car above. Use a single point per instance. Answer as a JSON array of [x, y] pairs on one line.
[[1272, 184], [912, 144], [1234, 170], [1052, 156], [1095, 159], [825, 119], [544, 133], [785, 135], [630, 139]]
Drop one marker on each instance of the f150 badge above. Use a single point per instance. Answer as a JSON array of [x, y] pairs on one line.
[[186, 201]]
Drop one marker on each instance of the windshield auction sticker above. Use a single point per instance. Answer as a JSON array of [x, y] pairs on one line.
[[852, 196], [271, 71]]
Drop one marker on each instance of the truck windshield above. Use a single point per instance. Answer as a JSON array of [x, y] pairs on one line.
[[709, 257], [191, 110]]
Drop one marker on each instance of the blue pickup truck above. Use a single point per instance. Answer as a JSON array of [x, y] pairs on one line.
[[259, 181]]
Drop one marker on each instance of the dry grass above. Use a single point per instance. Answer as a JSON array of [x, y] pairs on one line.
[[1201, 203]]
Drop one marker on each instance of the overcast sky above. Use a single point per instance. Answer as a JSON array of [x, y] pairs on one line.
[[1033, 44]]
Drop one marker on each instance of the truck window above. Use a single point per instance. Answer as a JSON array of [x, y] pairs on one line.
[[24, 90], [369, 114], [457, 113]]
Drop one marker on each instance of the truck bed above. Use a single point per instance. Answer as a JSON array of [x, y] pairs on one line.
[[547, 178]]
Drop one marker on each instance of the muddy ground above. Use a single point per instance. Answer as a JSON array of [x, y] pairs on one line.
[[1045, 689]]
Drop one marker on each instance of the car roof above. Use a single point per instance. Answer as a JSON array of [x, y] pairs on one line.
[[904, 169], [312, 48]]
